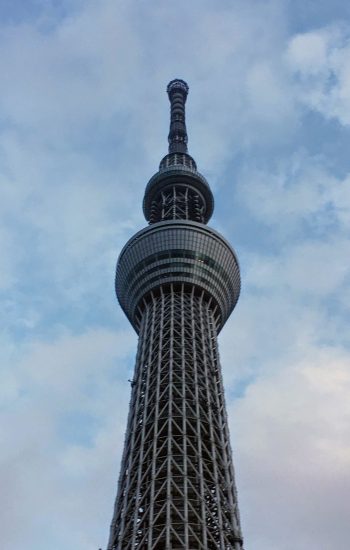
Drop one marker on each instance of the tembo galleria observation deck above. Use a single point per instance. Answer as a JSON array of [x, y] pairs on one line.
[[177, 281]]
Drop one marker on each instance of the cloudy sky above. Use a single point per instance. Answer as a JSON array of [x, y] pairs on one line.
[[83, 126]]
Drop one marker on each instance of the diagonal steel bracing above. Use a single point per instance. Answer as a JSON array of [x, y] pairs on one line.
[[177, 486]]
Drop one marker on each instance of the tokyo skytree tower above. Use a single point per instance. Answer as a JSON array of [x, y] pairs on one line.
[[177, 281]]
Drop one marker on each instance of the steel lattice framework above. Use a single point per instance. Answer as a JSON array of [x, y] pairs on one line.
[[177, 281]]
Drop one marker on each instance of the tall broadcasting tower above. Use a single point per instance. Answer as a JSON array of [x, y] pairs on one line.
[[177, 281]]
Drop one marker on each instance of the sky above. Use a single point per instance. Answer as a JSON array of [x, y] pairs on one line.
[[83, 125]]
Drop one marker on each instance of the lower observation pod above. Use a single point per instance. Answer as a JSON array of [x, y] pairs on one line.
[[183, 254]]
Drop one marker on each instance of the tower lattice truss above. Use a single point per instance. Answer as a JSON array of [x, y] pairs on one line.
[[177, 281]]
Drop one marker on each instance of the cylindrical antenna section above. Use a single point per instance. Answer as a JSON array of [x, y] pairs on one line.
[[177, 91]]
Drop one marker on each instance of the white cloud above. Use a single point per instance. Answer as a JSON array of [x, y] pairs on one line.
[[321, 61], [293, 459], [45, 473], [313, 268], [296, 194], [308, 52]]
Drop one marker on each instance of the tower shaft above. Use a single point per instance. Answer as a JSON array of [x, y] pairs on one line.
[[176, 485]]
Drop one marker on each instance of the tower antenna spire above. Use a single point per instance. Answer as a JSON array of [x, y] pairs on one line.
[[177, 91]]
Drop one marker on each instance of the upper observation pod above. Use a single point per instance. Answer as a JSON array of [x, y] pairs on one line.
[[177, 191]]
